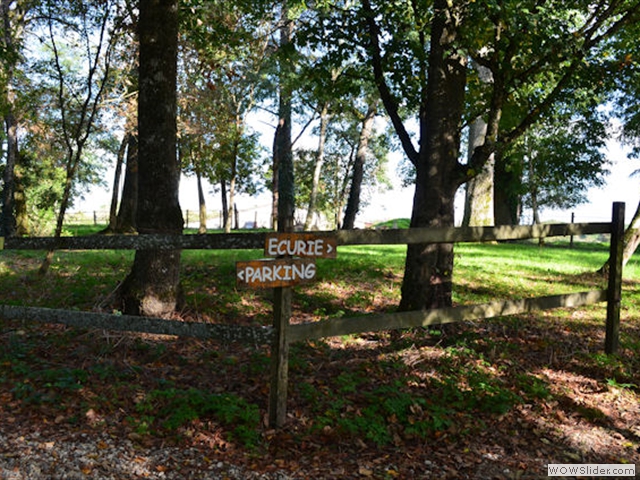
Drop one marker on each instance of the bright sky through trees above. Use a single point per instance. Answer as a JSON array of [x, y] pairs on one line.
[[620, 187]]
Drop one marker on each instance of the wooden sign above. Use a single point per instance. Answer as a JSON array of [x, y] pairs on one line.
[[300, 245], [271, 273]]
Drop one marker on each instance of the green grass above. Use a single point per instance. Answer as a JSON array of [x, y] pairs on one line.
[[404, 385]]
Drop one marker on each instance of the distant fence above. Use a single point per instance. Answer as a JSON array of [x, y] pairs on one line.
[[282, 333], [245, 218]]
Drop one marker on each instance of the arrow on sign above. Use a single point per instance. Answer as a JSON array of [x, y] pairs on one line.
[[270, 273]]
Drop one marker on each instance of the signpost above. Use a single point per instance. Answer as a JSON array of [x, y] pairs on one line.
[[294, 264], [272, 273], [300, 245]]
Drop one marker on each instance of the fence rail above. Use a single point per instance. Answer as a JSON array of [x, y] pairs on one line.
[[223, 241], [282, 333]]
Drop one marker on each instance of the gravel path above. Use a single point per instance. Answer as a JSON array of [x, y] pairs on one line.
[[97, 457]]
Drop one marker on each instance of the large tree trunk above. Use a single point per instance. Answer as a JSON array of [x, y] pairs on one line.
[[428, 267], [152, 287], [506, 196], [353, 203], [11, 30], [478, 205]]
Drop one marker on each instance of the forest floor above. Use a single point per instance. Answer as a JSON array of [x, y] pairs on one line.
[[492, 399]]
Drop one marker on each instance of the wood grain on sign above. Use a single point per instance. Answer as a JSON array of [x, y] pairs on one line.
[[272, 273], [300, 245]]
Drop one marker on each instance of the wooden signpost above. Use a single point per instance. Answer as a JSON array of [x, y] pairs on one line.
[[294, 264], [300, 245], [272, 273]]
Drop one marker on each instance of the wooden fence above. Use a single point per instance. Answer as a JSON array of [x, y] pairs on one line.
[[281, 333]]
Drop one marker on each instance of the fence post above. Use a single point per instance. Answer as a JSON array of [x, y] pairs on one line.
[[614, 289], [573, 219], [280, 357]]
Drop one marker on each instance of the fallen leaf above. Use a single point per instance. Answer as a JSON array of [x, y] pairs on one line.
[[365, 472]]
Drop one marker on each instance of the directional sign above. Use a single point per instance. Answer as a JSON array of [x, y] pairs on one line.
[[300, 245], [271, 273]]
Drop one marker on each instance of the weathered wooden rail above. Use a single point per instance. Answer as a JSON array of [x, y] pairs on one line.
[[277, 335]]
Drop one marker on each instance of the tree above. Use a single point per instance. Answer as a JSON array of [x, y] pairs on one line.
[[283, 185], [420, 56], [625, 73], [79, 87], [357, 177], [478, 204], [152, 288], [220, 82], [355, 157], [13, 19]]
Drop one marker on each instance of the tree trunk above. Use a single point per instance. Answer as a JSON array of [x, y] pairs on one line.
[[317, 168], [22, 216], [7, 215], [506, 196], [73, 161], [115, 192], [478, 205], [225, 204], [428, 267], [202, 205], [353, 203], [232, 182], [126, 220], [8, 225], [153, 286]]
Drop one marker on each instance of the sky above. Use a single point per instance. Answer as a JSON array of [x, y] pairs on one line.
[[619, 187]]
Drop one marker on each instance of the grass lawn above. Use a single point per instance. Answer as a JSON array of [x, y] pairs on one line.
[[530, 389]]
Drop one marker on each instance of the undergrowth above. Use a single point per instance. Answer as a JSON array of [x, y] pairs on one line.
[[383, 389]]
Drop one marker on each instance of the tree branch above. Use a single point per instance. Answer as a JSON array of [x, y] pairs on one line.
[[390, 103]]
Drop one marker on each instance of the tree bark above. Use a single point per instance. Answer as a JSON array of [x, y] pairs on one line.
[[20, 198], [478, 205], [115, 193], [202, 205], [226, 219], [8, 224], [353, 203], [153, 286], [233, 177], [7, 215], [506, 197], [126, 220], [428, 273]]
